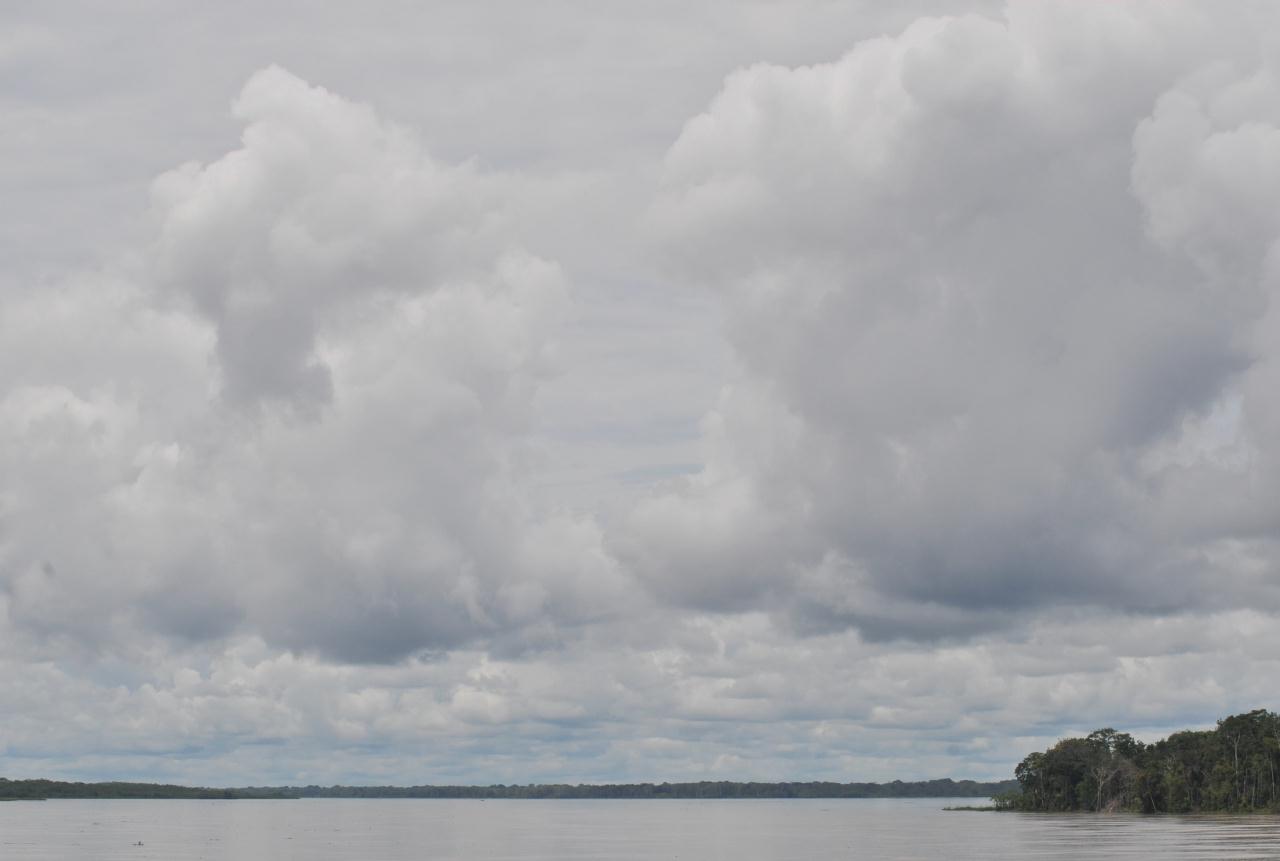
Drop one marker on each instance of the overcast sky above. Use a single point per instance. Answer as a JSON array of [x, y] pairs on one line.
[[581, 391]]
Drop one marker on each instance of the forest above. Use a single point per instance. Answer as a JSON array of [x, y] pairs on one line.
[[1232, 767], [945, 788]]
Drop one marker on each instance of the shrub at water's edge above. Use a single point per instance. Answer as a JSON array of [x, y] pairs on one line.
[[1233, 768]]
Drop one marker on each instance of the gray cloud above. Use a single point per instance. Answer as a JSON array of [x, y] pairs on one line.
[[980, 298], [375, 421], [720, 697]]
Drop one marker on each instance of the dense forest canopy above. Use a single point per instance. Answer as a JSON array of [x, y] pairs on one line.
[[1230, 768]]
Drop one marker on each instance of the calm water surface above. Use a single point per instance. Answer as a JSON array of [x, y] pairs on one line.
[[744, 830]]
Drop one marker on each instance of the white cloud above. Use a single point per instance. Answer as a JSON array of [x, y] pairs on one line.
[[322, 205], [336, 464]]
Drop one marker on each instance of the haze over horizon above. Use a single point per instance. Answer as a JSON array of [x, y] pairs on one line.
[[593, 392]]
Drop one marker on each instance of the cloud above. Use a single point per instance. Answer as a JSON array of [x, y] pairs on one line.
[[299, 416], [976, 295], [712, 697], [387, 439], [323, 204]]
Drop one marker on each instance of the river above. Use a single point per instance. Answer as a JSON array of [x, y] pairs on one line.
[[605, 830]]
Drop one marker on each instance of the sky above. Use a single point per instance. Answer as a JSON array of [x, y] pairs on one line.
[[501, 392]]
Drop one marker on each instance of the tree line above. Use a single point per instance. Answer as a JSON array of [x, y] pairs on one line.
[[1233, 767], [41, 789], [945, 788]]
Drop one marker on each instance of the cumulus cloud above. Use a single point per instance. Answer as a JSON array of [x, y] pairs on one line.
[[322, 204], [978, 295], [299, 416], [337, 454]]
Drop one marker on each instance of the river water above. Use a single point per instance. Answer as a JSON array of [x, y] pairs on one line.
[[612, 830]]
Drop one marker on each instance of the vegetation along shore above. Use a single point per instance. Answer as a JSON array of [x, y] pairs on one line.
[[1231, 768]]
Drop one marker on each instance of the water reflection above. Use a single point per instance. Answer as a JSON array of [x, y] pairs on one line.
[[742, 830]]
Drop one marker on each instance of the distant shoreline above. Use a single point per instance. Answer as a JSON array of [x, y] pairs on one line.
[[35, 790]]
